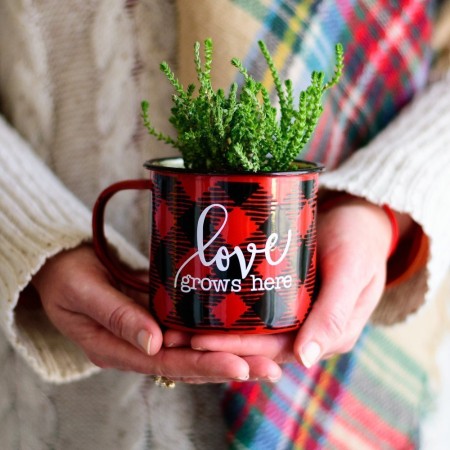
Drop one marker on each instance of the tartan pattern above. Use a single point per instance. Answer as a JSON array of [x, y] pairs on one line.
[[375, 396], [371, 398], [387, 56]]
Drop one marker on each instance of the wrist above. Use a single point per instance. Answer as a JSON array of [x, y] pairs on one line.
[[398, 223], [408, 247]]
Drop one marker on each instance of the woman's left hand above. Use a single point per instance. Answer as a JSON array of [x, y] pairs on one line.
[[353, 244]]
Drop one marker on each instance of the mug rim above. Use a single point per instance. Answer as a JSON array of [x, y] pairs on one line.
[[177, 166]]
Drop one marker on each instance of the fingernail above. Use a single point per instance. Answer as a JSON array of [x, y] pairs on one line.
[[243, 378], [174, 344], [144, 339], [274, 379], [310, 354]]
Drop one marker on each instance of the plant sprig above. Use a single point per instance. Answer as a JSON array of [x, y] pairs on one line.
[[218, 132]]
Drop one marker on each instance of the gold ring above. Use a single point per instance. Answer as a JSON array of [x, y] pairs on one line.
[[164, 382]]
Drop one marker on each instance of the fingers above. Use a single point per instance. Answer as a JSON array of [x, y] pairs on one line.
[[211, 366], [328, 320], [334, 327], [111, 352], [115, 332], [352, 267], [176, 338], [278, 347], [122, 317], [74, 285], [263, 369], [262, 353], [260, 369], [108, 350]]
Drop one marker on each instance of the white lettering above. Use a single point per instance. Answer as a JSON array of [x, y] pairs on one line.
[[220, 285], [223, 257], [271, 283], [236, 285]]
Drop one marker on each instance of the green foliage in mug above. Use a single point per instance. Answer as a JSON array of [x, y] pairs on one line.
[[242, 131]]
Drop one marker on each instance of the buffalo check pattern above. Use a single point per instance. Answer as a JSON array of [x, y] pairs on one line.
[[247, 211], [374, 396]]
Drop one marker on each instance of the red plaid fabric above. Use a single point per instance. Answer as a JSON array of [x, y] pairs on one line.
[[372, 398], [387, 57]]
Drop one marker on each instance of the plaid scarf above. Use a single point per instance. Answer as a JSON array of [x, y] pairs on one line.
[[370, 398], [373, 397], [387, 57]]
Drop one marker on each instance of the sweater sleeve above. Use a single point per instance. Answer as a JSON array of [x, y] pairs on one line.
[[39, 217], [407, 166]]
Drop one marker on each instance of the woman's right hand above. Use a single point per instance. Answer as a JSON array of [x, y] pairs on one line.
[[115, 331]]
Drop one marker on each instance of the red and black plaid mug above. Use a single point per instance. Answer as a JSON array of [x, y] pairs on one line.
[[228, 252]]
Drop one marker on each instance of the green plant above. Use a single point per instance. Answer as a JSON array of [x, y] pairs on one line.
[[242, 131]]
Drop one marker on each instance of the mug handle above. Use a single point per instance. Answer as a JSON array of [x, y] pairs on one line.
[[99, 238]]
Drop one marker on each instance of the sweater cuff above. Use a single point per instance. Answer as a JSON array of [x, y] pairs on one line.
[[406, 167], [39, 218]]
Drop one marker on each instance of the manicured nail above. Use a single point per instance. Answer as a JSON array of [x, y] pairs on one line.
[[274, 379], [310, 354], [243, 378], [144, 339]]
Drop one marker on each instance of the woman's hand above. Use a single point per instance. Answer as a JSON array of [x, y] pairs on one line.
[[115, 331], [353, 243]]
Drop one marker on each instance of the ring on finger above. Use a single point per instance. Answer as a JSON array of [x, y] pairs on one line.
[[163, 381]]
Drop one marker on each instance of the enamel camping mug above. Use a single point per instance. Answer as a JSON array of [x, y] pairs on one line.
[[231, 252]]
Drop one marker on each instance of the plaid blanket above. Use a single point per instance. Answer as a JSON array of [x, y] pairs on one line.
[[375, 396]]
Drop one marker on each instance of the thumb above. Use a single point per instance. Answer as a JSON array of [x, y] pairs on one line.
[[327, 322], [124, 318]]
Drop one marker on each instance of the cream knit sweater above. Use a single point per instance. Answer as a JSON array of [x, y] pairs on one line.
[[68, 132]]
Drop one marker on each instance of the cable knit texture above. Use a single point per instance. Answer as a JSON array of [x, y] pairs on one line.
[[72, 75], [386, 172], [40, 216]]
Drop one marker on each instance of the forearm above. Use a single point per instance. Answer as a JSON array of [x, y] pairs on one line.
[[39, 218]]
